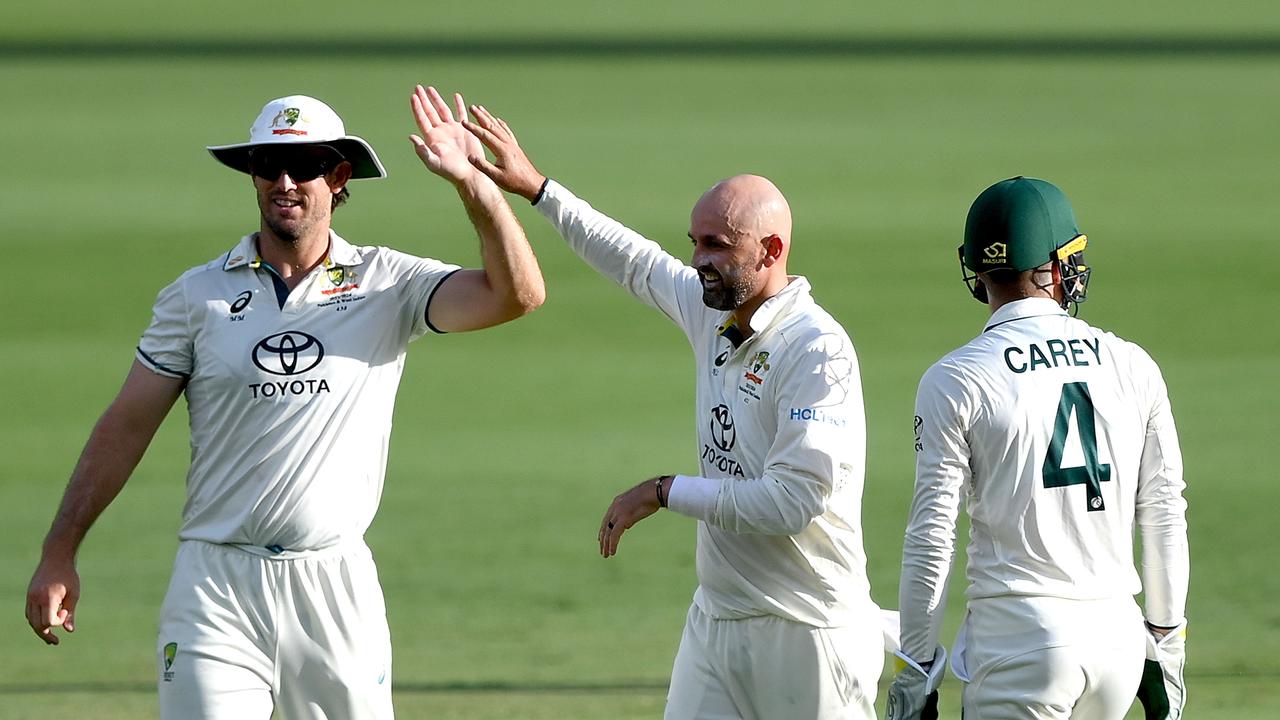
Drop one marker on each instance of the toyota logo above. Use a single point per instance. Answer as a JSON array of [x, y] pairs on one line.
[[722, 432], [288, 353]]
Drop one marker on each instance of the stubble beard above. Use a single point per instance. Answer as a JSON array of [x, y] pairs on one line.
[[287, 231], [734, 290]]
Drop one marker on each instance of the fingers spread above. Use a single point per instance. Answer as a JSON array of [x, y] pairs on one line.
[[423, 100], [490, 140], [438, 104], [486, 120], [461, 107], [420, 113], [486, 167]]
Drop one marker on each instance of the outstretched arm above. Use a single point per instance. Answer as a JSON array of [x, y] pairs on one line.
[[510, 284], [109, 457], [636, 263]]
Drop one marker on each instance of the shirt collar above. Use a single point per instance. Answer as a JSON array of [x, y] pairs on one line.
[[1024, 308], [770, 310], [245, 253]]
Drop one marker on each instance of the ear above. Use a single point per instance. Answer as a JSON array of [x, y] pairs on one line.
[[772, 250], [979, 290], [338, 177]]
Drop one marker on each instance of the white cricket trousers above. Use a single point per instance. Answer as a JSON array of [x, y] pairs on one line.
[[303, 634], [767, 668], [1039, 658]]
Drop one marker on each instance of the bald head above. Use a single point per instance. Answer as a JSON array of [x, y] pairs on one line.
[[743, 206], [741, 232]]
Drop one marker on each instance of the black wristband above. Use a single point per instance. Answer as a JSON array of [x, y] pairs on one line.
[[541, 190], [657, 485]]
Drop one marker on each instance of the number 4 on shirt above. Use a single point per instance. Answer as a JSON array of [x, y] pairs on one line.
[[1075, 397]]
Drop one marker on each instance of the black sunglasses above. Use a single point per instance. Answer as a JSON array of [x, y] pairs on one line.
[[301, 166]]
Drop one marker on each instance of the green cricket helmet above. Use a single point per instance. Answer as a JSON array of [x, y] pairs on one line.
[[1020, 224]]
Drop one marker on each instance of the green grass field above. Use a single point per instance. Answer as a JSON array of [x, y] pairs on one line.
[[510, 443]]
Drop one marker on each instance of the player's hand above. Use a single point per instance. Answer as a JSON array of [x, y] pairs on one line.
[[913, 695], [51, 599], [1163, 692], [627, 509], [511, 168], [445, 146]]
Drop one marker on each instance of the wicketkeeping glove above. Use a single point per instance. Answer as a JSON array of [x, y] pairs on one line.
[[1162, 691], [914, 692]]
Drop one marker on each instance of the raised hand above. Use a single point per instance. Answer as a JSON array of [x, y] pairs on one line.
[[445, 146], [511, 168]]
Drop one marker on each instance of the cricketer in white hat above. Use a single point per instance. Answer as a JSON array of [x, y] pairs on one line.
[[302, 120], [289, 347]]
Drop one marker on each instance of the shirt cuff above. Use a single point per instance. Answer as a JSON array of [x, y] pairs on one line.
[[694, 496]]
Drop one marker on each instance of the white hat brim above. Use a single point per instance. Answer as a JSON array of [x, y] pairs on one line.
[[364, 161]]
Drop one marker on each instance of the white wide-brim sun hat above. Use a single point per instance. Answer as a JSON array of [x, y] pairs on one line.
[[302, 120]]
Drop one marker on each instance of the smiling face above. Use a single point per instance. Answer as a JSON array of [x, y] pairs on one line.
[[728, 261], [740, 230], [295, 189]]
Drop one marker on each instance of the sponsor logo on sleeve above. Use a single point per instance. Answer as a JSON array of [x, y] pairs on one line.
[[818, 415], [919, 433], [170, 654]]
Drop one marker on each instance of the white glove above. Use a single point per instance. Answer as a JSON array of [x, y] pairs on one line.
[[1162, 691], [914, 692]]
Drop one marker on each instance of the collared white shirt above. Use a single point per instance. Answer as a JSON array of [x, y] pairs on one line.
[[1057, 436], [780, 432], [289, 393]]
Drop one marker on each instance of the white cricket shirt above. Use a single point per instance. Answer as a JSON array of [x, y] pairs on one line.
[[289, 393], [781, 435], [1057, 436]]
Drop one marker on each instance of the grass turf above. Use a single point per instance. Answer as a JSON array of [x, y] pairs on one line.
[[509, 443]]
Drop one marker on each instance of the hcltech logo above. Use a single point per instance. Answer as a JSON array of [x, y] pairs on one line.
[[291, 352]]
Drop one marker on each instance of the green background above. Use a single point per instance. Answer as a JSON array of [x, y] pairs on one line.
[[880, 121]]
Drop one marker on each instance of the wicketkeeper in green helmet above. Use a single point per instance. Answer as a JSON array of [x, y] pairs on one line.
[[1060, 440]]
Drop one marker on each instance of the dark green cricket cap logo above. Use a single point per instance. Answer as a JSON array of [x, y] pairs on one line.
[[1017, 224]]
